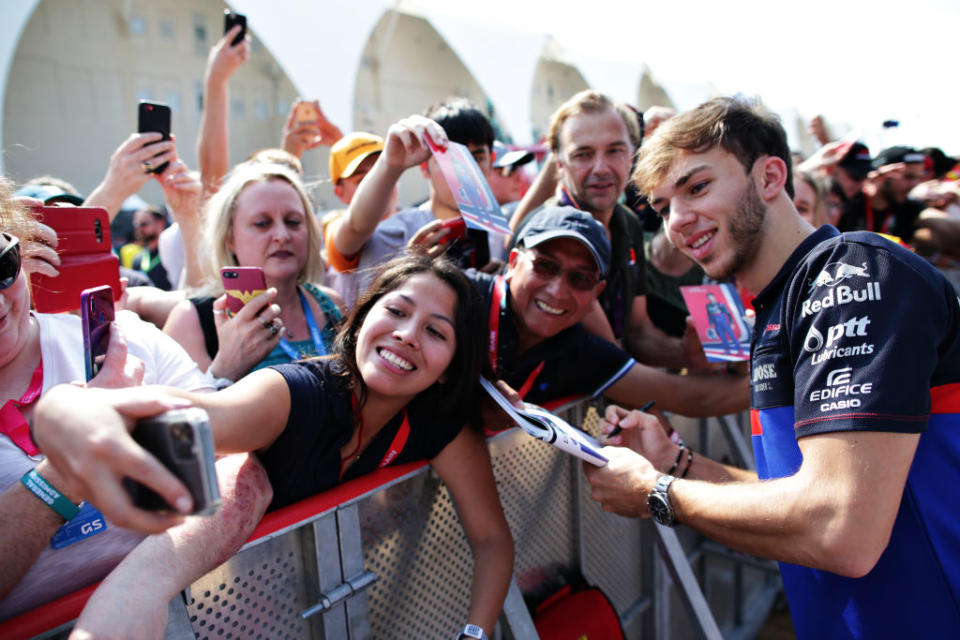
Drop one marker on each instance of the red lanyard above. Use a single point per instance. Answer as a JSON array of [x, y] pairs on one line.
[[12, 422], [885, 228], [498, 307], [399, 440]]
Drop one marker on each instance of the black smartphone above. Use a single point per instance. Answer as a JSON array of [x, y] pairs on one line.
[[182, 441], [154, 116], [229, 20], [96, 314]]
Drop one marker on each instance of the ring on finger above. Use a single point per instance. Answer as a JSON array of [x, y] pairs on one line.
[[273, 329], [266, 323], [146, 165]]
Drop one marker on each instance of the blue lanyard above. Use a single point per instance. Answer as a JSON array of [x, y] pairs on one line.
[[314, 333]]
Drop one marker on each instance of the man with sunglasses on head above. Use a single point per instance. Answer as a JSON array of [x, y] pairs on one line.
[[538, 346]]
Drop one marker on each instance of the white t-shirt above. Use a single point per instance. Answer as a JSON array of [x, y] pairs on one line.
[[58, 572]]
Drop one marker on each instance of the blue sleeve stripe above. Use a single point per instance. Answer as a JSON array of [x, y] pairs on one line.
[[622, 371]]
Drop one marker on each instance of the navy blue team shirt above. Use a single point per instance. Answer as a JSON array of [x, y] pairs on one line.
[[856, 333]]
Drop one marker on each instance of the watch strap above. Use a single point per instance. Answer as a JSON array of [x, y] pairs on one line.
[[472, 631]]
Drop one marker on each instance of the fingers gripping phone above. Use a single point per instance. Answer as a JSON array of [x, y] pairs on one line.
[[241, 284], [151, 117], [229, 20], [183, 442], [457, 227], [306, 114], [96, 314]]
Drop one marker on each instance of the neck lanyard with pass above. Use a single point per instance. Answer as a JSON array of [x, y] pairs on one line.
[[12, 422], [314, 333], [396, 446], [498, 309]]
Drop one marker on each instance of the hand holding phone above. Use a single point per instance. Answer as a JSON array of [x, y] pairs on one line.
[[457, 229], [154, 117], [96, 314], [306, 114], [231, 19], [182, 441], [241, 284]]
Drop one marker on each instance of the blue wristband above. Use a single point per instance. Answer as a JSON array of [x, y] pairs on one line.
[[39, 487]]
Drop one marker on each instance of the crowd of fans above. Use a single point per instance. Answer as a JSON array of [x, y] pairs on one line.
[[365, 348]]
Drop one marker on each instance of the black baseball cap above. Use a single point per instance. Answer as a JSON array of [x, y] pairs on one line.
[[893, 155], [857, 161], [566, 222]]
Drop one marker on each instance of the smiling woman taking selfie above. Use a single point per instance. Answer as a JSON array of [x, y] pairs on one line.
[[260, 217], [399, 387]]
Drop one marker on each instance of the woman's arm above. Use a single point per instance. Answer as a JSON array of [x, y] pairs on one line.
[[464, 465], [85, 434]]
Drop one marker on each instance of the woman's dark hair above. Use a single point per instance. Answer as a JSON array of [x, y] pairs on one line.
[[457, 397]]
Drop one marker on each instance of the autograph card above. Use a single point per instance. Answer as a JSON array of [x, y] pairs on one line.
[[474, 198], [719, 315]]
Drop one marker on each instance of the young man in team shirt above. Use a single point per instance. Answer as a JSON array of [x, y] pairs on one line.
[[854, 405]]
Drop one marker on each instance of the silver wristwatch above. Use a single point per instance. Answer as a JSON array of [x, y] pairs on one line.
[[659, 501], [472, 631]]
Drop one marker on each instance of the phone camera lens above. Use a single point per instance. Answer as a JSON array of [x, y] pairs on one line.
[[182, 435]]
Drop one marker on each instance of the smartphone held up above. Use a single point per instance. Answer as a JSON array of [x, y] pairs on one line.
[[231, 19], [96, 314], [182, 441], [154, 117]]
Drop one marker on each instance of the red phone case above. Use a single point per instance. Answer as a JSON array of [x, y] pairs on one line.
[[457, 227], [86, 260], [241, 284]]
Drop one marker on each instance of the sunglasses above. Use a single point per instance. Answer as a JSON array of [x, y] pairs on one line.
[[578, 279], [9, 261]]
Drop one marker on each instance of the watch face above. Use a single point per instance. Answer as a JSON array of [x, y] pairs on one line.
[[660, 510]]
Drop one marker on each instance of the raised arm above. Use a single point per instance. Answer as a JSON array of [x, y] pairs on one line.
[[464, 465], [404, 147], [213, 148], [126, 173]]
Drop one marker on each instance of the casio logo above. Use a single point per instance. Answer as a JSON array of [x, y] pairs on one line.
[[836, 272], [841, 391]]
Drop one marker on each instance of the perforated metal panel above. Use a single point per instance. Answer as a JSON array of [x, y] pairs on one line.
[[612, 546], [258, 594], [414, 543]]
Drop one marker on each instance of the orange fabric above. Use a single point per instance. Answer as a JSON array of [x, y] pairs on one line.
[[336, 259]]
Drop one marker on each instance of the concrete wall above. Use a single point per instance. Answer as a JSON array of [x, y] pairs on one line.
[[406, 67], [553, 83], [81, 66]]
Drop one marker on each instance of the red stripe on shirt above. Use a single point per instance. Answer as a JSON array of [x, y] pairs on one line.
[[756, 427], [945, 399]]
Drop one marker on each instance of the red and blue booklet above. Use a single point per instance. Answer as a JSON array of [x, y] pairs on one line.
[[475, 199], [721, 322]]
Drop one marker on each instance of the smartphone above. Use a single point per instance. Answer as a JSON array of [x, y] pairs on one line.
[[306, 113], [229, 20], [241, 284], [457, 227], [182, 441], [154, 116], [86, 260], [96, 314]]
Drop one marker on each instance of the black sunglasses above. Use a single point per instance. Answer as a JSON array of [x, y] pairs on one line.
[[576, 278], [9, 261]]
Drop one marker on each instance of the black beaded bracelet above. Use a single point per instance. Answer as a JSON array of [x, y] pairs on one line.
[[677, 461], [689, 463]]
